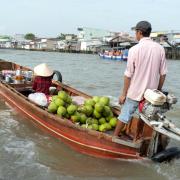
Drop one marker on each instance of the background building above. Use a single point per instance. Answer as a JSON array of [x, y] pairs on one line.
[[5, 41], [90, 38]]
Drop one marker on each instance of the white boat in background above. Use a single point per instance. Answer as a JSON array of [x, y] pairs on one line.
[[122, 57], [118, 58]]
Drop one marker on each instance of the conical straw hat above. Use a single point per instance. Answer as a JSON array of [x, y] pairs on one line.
[[43, 70]]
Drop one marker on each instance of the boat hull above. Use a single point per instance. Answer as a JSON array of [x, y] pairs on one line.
[[80, 139]]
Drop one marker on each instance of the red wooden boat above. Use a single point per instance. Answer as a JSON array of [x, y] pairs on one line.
[[83, 140]]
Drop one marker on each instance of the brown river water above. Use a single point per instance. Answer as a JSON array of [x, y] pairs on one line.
[[28, 153]]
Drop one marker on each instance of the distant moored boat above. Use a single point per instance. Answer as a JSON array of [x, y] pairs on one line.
[[122, 57]]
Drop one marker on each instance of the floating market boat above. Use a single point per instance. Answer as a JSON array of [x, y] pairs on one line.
[[152, 137], [122, 57], [118, 58]]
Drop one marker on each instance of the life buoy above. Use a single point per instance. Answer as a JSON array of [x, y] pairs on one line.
[[58, 75]]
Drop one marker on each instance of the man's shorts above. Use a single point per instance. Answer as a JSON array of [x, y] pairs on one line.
[[128, 110]]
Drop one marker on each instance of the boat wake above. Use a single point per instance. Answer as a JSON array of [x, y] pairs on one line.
[[169, 170]]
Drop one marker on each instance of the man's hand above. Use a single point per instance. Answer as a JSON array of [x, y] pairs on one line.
[[122, 99]]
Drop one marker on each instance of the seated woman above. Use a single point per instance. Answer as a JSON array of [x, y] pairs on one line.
[[41, 84], [43, 78]]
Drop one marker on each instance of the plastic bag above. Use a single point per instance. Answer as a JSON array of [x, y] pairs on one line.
[[38, 98], [78, 99]]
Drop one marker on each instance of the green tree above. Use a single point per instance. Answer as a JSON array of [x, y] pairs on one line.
[[30, 36], [61, 36]]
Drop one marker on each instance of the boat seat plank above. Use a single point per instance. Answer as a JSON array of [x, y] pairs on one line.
[[127, 143]]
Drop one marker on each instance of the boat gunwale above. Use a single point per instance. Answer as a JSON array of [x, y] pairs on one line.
[[89, 131], [64, 121]]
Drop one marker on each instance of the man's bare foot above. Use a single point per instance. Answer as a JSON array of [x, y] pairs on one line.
[[137, 141]]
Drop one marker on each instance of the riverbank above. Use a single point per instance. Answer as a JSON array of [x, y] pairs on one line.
[[171, 53], [55, 50]]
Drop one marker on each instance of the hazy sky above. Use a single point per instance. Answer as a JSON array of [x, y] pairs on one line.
[[52, 17]]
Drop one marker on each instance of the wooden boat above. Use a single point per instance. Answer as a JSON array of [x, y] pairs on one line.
[[83, 140], [121, 57], [117, 58]]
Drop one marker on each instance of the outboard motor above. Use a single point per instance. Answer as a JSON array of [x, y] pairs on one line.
[[157, 103], [155, 106]]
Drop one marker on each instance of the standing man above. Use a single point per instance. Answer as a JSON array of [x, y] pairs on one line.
[[146, 69]]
